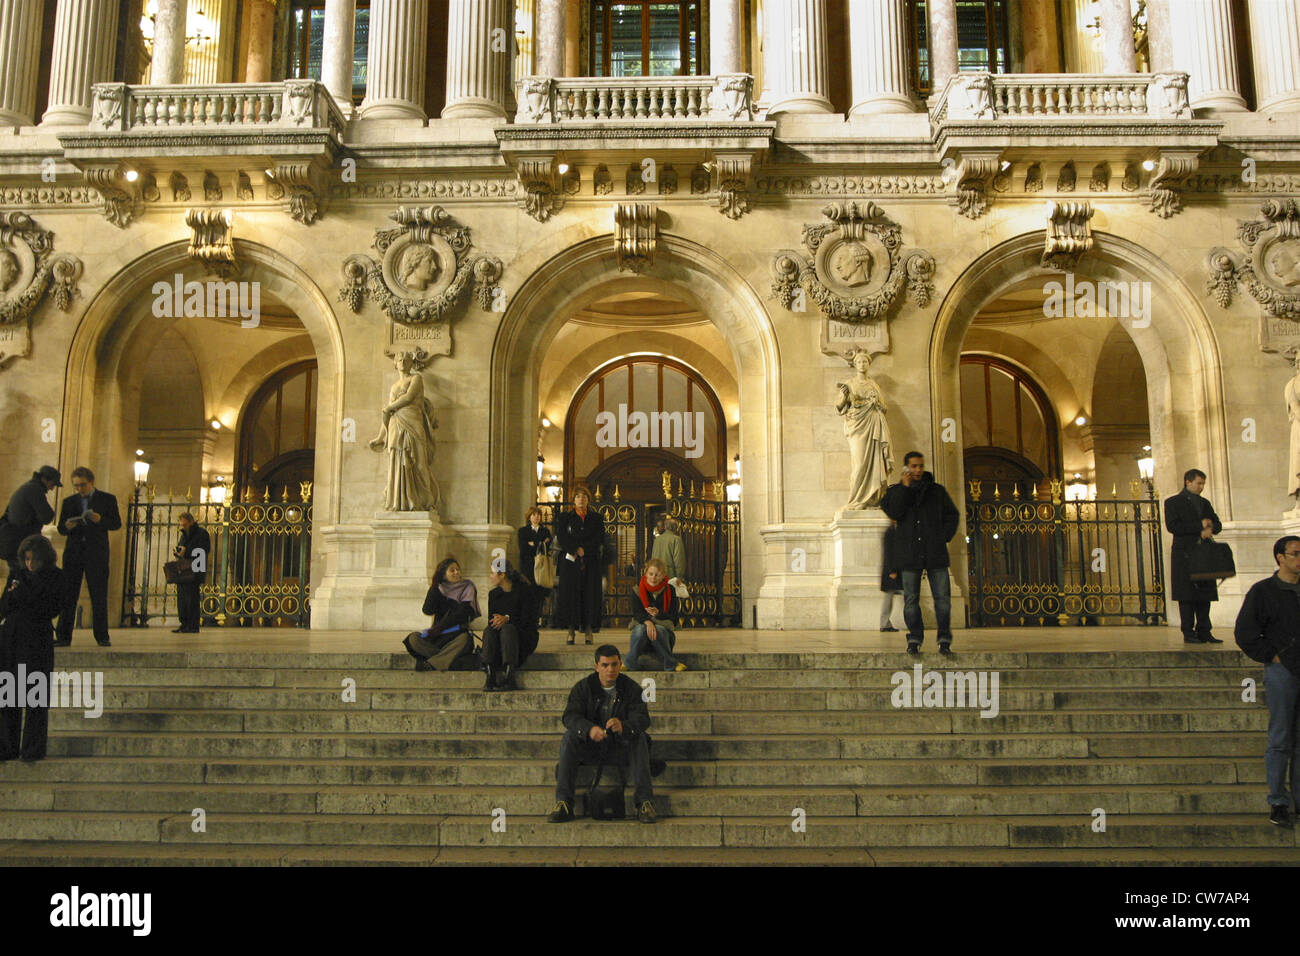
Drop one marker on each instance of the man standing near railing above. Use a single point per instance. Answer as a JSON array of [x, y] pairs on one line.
[[195, 547], [85, 519], [1191, 518]]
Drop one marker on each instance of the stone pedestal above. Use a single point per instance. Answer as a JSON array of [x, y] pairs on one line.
[[856, 548], [406, 546]]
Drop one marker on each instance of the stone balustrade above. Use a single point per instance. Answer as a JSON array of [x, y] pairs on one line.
[[547, 100], [291, 104], [993, 96]]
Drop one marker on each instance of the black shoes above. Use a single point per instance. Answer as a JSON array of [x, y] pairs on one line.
[[657, 767], [889, 628], [570, 640], [1201, 639], [490, 681], [913, 647], [506, 680], [1281, 817], [185, 630], [945, 649], [104, 643], [1211, 639], [61, 642], [560, 813], [422, 665]]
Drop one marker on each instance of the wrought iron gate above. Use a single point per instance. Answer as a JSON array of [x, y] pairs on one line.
[[1040, 560], [258, 571], [710, 532]]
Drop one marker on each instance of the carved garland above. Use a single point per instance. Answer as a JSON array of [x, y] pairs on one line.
[[1272, 261], [43, 269]]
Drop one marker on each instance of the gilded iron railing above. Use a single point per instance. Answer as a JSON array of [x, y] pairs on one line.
[[258, 570], [1037, 559]]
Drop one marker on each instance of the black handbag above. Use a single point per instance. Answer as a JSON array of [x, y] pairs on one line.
[[609, 803], [1211, 561]]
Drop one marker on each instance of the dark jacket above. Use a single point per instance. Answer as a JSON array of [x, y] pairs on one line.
[[28, 512], [27, 609], [889, 562], [927, 520], [531, 544], [438, 606], [1268, 624], [666, 602], [192, 541], [519, 606], [586, 698], [1183, 514], [87, 540], [572, 533], [580, 598]]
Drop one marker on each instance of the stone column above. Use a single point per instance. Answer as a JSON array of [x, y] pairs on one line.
[[1160, 47], [1118, 53], [340, 48], [1206, 48], [548, 38], [878, 57], [1275, 40], [261, 39], [724, 36], [943, 43], [211, 61], [20, 57], [85, 40], [573, 38], [1038, 28], [396, 60], [796, 56], [168, 43], [477, 72]]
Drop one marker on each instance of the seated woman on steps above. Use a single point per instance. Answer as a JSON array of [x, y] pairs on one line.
[[453, 602], [511, 633], [654, 615]]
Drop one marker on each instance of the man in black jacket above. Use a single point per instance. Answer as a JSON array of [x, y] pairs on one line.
[[195, 547], [927, 520], [605, 721], [1191, 518], [85, 519], [1268, 631], [27, 514]]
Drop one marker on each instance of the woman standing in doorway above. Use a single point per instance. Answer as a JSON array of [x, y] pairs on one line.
[[580, 534], [534, 539]]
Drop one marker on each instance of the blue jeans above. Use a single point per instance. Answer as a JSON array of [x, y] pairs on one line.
[[1283, 690], [663, 646], [941, 590]]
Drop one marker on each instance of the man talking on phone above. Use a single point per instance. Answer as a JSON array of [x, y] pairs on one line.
[[85, 519], [927, 520]]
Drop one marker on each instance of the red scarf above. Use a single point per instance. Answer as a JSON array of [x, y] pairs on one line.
[[649, 596]]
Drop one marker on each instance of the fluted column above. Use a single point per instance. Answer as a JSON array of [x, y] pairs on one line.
[[796, 56], [20, 57], [724, 36], [1275, 41], [211, 61], [548, 38], [1206, 47], [878, 57], [85, 40], [168, 43], [396, 60], [943, 42], [1118, 53], [1160, 43], [477, 70], [339, 50], [261, 40], [1040, 52]]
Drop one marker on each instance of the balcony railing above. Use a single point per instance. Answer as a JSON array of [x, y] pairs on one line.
[[994, 96], [546, 100], [291, 104]]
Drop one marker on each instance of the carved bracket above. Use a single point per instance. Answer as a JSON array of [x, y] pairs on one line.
[[734, 174], [300, 186], [974, 176], [635, 235], [1069, 234], [423, 268], [854, 269], [542, 195], [1167, 182], [120, 194], [1270, 268], [29, 267], [212, 240]]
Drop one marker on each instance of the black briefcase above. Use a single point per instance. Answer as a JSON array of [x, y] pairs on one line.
[[1211, 561]]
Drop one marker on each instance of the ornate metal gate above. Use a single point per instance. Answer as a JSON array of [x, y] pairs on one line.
[[258, 571], [1040, 560]]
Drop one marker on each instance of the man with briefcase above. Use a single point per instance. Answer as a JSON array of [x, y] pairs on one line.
[[1190, 518]]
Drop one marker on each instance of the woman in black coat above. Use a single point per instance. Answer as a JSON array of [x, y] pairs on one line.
[[452, 602], [34, 596], [511, 632], [534, 539], [580, 534]]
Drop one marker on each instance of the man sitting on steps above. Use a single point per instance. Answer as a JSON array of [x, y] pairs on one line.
[[605, 717]]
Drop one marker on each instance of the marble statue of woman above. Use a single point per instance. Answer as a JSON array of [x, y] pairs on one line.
[[863, 408], [1292, 394], [407, 436]]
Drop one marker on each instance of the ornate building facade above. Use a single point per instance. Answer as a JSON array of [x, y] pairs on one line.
[[1066, 233]]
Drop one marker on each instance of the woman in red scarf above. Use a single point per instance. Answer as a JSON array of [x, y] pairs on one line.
[[654, 613], [580, 534]]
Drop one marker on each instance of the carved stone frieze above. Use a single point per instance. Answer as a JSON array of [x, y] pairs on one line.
[[119, 195], [635, 235], [29, 267], [854, 268], [212, 240], [1069, 234], [1270, 266], [424, 267]]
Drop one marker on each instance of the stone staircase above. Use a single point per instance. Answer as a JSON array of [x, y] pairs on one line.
[[287, 772]]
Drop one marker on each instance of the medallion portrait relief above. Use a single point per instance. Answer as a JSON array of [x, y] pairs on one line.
[[1282, 263], [419, 270]]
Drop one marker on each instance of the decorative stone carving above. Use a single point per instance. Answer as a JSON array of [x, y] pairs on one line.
[[1034, 178], [602, 184], [535, 95], [1065, 180], [667, 181], [107, 106], [537, 179], [211, 186], [423, 269], [1291, 396], [854, 269], [971, 97], [243, 186], [299, 99], [407, 436], [733, 184], [732, 95], [634, 181], [1132, 178], [974, 177], [119, 195], [212, 240], [1167, 182], [180, 188], [299, 185], [1167, 96], [862, 406], [1069, 234], [635, 235], [1100, 181], [149, 188], [701, 181], [29, 267], [1271, 267]]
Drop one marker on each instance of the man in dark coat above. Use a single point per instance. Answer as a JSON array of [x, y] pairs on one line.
[[605, 719], [1190, 519], [1268, 631], [927, 520], [85, 519], [580, 534], [27, 514], [195, 547], [30, 600]]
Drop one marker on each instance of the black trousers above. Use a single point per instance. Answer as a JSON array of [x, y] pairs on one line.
[[96, 574], [632, 750], [1194, 610], [501, 646], [187, 603], [29, 739]]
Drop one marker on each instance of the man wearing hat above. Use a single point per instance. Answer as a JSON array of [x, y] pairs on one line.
[[86, 519], [28, 512]]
